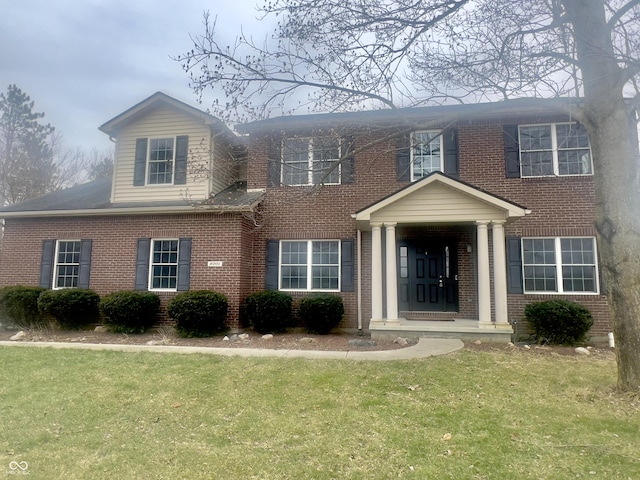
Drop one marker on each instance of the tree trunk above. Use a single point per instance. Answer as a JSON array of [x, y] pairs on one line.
[[616, 170]]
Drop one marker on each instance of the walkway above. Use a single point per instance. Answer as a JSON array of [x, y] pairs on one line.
[[426, 347]]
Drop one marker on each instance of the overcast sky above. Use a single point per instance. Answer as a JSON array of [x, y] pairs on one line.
[[85, 61]]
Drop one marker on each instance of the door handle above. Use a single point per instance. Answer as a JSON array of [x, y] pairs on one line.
[[440, 282]]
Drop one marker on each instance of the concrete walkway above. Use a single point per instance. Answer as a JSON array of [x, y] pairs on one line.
[[426, 347]]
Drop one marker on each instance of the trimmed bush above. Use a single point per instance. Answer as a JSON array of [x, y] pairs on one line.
[[200, 313], [321, 313], [72, 308], [19, 306], [559, 321], [130, 312], [268, 311]]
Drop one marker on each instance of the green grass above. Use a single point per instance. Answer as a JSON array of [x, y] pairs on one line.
[[510, 415]]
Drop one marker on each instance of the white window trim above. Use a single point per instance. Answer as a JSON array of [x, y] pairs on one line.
[[173, 162], [310, 266], [559, 264], [554, 152], [440, 137], [309, 162], [151, 263], [54, 283]]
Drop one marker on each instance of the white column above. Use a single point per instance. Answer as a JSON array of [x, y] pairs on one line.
[[499, 275], [376, 272], [484, 277], [392, 273]]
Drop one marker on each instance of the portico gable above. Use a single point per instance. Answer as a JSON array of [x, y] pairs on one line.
[[439, 200]]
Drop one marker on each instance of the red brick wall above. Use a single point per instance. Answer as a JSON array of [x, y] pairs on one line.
[[561, 206], [214, 237]]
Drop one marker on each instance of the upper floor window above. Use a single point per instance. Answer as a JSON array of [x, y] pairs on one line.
[[559, 265], [67, 265], [161, 151], [310, 265], [161, 161], [555, 149], [426, 153], [310, 161]]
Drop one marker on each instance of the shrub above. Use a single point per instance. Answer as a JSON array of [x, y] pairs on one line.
[[19, 305], [200, 313], [73, 308], [559, 321], [321, 313], [130, 312], [268, 311]]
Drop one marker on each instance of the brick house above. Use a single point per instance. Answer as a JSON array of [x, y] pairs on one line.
[[439, 221]]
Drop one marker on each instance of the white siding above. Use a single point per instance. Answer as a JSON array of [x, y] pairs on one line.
[[164, 122], [438, 204]]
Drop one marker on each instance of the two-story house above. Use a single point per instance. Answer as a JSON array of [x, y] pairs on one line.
[[440, 221]]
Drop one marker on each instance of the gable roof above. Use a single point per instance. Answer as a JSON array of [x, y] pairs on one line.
[[94, 198], [112, 127], [423, 202]]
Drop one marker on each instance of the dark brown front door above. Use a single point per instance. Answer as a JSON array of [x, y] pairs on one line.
[[428, 275]]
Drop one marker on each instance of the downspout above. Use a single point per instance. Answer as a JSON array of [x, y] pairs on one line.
[[359, 268]]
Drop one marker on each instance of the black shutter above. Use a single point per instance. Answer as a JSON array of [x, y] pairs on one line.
[[140, 165], [348, 266], [46, 263], [274, 162], [348, 164], [451, 163], [511, 151], [142, 264], [514, 265], [272, 260], [184, 264], [182, 149], [85, 263], [403, 159]]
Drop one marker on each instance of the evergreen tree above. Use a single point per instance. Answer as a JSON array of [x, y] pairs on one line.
[[27, 169]]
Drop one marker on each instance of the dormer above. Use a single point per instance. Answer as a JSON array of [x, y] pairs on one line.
[[167, 150]]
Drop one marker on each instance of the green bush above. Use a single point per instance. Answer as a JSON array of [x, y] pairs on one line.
[[130, 312], [321, 313], [558, 321], [73, 308], [19, 306], [200, 313], [268, 311]]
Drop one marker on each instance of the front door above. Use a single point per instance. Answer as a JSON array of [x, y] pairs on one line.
[[428, 275]]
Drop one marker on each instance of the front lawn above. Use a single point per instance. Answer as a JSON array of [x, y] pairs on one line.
[[71, 414]]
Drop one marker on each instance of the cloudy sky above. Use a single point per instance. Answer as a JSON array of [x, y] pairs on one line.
[[85, 61]]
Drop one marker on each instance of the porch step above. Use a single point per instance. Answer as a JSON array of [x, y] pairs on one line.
[[465, 330]]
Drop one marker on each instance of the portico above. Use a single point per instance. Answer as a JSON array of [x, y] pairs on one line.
[[414, 273]]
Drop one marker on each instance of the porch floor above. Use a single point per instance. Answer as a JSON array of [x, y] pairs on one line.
[[463, 329]]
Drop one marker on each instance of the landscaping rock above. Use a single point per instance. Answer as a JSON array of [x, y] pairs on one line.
[[359, 342], [243, 336], [226, 339], [234, 337], [307, 340], [18, 336], [583, 351], [401, 341], [267, 336], [101, 329]]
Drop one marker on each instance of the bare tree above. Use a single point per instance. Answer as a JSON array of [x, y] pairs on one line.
[[331, 55]]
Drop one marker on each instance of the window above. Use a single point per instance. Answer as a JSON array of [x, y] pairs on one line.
[[164, 265], [161, 162], [426, 153], [556, 149], [559, 265], [310, 161], [310, 265], [67, 266]]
